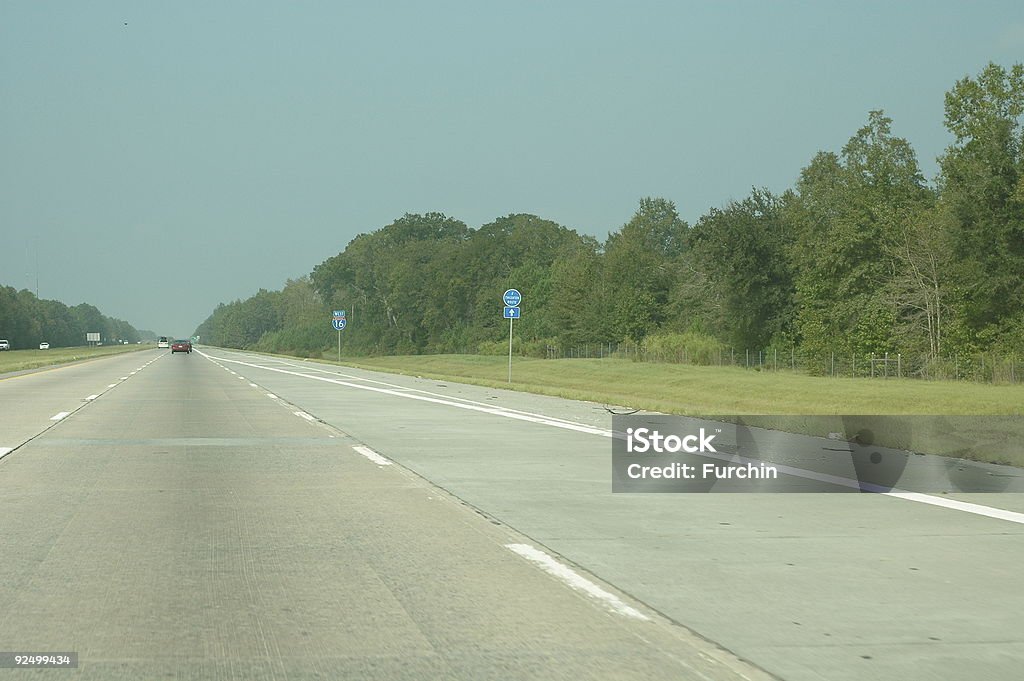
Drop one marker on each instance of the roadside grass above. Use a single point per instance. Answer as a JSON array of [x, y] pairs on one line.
[[971, 433], [699, 390], [22, 360], [978, 421]]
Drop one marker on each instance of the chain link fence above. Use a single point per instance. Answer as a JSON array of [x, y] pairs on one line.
[[977, 367]]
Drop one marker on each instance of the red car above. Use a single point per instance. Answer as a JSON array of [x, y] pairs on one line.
[[181, 346]]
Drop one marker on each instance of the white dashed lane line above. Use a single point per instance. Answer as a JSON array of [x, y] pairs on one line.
[[372, 455], [60, 416], [575, 580]]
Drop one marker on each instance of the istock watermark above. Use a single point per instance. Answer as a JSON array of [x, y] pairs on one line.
[[933, 454], [642, 440]]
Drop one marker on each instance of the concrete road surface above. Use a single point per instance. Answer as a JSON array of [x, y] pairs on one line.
[[227, 515], [182, 524]]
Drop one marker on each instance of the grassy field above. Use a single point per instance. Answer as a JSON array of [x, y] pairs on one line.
[[20, 360], [693, 390]]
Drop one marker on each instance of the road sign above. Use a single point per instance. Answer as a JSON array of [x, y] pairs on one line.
[[511, 312], [512, 298], [339, 314], [338, 324]]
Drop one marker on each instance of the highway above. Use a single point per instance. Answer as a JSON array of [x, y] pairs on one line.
[[225, 515]]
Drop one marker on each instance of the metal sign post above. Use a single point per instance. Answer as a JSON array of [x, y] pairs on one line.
[[338, 322], [510, 349], [511, 298]]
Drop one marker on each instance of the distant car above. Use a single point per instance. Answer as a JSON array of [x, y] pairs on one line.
[[163, 342], [5, 344], [181, 346], [44, 346]]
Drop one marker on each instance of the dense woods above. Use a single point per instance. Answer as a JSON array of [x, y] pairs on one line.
[[26, 321], [861, 256]]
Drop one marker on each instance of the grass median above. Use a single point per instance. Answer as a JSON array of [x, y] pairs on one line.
[[23, 360]]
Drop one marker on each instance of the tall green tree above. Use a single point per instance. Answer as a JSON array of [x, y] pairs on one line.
[[742, 250], [982, 186], [847, 217], [639, 267]]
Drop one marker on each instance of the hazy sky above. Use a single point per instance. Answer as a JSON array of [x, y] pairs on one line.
[[161, 157]]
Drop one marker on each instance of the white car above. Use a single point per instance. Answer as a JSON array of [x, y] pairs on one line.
[[44, 346], [164, 342], [5, 344]]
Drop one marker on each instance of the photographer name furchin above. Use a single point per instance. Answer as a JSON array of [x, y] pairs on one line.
[[707, 471]]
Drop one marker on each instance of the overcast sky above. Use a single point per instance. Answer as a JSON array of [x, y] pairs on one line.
[[160, 157]]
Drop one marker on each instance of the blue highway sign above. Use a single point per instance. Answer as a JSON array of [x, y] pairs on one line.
[[511, 312], [512, 298], [338, 324]]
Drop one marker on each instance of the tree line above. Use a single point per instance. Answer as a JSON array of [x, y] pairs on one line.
[[26, 321], [862, 255]]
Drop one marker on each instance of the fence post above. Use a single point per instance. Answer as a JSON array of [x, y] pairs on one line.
[[899, 365], [833, 365], [872, 365]]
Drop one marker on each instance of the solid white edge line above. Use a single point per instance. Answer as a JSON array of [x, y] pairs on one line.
[[371, 455], [965, 506], [272, 396], [575, 580], [951, 504], [497, 411], [422, 392], [60, 415], [112, 385]]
